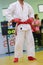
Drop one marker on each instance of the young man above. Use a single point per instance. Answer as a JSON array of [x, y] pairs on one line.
[[22, 13]]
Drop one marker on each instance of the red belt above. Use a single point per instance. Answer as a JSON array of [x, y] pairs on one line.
[[27, 22], [23, 23]]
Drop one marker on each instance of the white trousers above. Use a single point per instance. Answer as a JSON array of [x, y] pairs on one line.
[[23, 35]]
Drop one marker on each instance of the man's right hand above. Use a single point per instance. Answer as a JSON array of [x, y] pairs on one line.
[[17, 20]]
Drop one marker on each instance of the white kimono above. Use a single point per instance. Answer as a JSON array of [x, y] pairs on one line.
[[16, 11]]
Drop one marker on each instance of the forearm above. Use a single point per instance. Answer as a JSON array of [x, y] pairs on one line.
[[39, 24]]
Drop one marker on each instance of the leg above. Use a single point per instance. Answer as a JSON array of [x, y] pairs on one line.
[[39, 39], [19, 44], [30, 43]]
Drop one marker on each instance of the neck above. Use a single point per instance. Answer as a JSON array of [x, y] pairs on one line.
[[21, 2]]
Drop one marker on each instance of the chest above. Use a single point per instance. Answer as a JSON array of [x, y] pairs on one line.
[[21, 10]]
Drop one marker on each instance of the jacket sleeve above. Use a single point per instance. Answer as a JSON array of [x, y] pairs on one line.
[[31, 12], [10, 12]]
